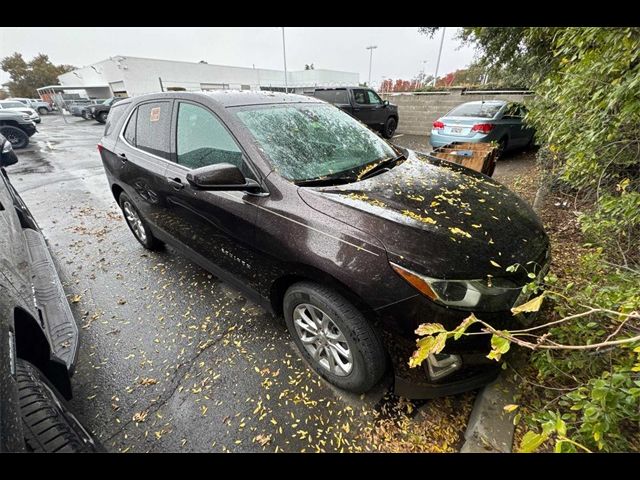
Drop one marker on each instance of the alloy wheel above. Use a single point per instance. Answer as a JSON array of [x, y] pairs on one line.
[[134, 221], [322, 339]]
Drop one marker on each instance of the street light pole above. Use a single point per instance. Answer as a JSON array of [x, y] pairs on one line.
[[371, 48], [439, 54], [284, 53]]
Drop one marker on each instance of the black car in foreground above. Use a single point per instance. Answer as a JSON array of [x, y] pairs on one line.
[[365, 105], [353, 240], [17, 128], [38, 337]]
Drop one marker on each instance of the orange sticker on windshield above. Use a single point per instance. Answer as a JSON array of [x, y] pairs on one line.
[[155, 114]]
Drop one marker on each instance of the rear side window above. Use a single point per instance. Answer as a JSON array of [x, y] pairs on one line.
[[130, 131], [114, 116], [333, 96], [482, 110], [203, 140], [153, 127]]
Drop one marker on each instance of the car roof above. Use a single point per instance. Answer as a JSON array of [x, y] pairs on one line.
[[479, 102], [238, 98]]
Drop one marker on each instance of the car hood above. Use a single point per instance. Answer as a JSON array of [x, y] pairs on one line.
[[438, 218]]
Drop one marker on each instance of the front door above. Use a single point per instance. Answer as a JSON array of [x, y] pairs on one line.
[[218, 225], [368, 107]]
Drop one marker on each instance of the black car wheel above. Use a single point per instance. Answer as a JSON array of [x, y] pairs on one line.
[[43, 110], [48, 425], [334, 337], [102, 117], [136, 224], [86, 115], [17, 137], [389, 127]]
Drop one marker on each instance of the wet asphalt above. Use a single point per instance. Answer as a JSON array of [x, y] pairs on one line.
[[171, 358]]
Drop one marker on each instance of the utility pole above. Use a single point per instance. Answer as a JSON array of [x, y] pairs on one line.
[[284, 53], [444, 29], [371, 48]]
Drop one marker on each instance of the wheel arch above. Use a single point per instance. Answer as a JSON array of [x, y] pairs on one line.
[[117, 191], [307, 273], [32, 345]]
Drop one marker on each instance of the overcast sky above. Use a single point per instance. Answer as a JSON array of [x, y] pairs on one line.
[[400, 52]]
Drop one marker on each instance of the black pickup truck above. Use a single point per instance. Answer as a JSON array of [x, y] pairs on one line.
[[38, 336], [365, 105]]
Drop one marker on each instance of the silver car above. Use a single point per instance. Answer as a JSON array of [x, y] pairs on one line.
[[19, 107], [484, 121]]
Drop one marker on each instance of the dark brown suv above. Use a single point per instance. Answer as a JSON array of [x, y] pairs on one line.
[[355, 241]]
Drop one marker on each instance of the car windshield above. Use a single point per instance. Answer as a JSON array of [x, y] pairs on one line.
[[313, 141], [482, 110], [12, 105]]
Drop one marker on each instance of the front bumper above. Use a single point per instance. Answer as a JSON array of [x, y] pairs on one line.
[[28, 128], [399, 322]]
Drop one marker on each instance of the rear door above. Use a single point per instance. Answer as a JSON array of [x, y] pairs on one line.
[[512, 120], [143, 151]]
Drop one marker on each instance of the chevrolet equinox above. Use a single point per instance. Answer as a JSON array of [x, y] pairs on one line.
[[353, 240]]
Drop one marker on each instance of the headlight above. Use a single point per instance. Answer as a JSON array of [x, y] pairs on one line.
[[490, 295], [7, 147]]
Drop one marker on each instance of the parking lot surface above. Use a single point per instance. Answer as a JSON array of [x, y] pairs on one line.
[[173, 359]]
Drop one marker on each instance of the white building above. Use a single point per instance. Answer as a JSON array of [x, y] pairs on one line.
[[131, 76]]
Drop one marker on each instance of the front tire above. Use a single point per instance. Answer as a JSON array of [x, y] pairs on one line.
[[47, 423], [334, 337], [16, 137], [43, 110], [137, 225], [389, 128]]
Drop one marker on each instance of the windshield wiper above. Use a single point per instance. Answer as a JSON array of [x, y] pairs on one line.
[[320, 182], [384, 164]]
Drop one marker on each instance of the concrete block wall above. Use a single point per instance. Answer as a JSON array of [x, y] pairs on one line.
[[418, 111]]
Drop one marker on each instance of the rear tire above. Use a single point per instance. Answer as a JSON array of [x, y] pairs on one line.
[[389, 128], [48, 425], [366, 357], [102, 117], [137, 225], [502, 147], [17, 137]]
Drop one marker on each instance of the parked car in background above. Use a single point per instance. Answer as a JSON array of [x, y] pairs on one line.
[[353, 240], [16, 106], [38, 337], [16, 127], [365, 105], [484, 121], [101, 111], [75, 106], [86, 110], [7, 155], [40, 106]]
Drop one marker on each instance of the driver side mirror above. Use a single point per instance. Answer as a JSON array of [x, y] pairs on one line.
[[385, 103], [221, 176]]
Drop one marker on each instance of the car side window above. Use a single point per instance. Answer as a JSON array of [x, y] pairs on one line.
[[153, 128], [203, 140], [130, 131], [360, 96], [374, 99], [112, 119], [512, 111]]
